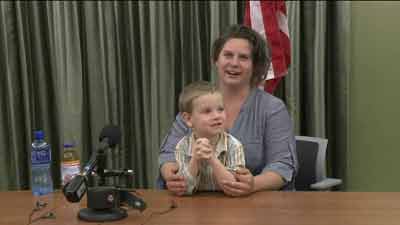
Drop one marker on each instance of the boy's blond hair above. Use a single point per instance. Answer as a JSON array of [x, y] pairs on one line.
[[193, 91]]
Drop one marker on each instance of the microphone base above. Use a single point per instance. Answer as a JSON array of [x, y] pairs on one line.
[[103, 215]]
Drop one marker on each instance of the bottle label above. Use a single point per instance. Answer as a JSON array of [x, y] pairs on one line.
[[42, 156], [69, 170]]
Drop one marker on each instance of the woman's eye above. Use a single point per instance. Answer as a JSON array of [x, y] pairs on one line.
[[244, 57], [228, 54]]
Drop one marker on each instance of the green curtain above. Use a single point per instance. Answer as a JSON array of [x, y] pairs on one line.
[[316, 87], [72, 67]]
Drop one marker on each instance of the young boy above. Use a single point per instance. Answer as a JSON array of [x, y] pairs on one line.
[[208, 155]]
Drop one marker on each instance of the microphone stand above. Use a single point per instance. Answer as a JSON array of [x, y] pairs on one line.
[[103, 202], [101, 162]]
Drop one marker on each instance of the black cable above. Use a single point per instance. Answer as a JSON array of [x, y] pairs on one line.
[[39, 206]]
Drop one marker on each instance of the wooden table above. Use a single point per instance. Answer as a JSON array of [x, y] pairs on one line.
[[275, 208]]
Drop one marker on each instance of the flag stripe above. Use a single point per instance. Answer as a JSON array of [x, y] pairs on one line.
[[269, 18], [256, 18], [257, 24]]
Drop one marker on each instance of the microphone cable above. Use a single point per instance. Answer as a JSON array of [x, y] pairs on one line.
[[39, 206], [50, 214], [171, 207]]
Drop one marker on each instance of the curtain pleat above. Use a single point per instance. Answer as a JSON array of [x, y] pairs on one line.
[[315, 89], [70, 68]]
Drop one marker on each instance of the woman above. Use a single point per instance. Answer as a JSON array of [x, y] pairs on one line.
[[259, 120]]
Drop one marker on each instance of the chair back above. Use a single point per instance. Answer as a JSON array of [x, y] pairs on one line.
[[311, 157]]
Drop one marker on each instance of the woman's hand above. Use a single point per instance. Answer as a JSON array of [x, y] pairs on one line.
[[175, 183], [244, 184]]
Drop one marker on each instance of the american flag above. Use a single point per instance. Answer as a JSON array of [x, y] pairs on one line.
[[269, 18]]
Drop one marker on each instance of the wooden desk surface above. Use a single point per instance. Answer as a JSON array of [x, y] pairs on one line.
[[275, 208]]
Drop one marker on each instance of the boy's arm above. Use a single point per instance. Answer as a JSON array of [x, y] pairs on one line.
[[221, 173], [193, 167], [235, 159], [188, 168]]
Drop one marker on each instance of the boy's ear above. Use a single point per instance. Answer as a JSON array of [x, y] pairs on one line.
[[187, 118]]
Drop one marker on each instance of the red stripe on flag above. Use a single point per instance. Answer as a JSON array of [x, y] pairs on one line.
[[274, 18], [273, 36], [247, 20], [271, 85], [285, 41]]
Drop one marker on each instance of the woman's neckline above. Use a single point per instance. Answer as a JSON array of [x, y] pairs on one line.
[[243, 106]]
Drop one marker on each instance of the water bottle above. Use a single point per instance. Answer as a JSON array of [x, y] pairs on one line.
[[41, 180], [70, 164]]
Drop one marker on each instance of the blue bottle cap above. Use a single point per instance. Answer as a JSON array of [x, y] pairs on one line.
[[39, 134], [69, 145]]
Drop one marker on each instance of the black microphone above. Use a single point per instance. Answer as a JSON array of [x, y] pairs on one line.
[[76, 188], [109, 137]]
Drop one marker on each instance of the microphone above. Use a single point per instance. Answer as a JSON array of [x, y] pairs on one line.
[[76, 188], [109, 137]]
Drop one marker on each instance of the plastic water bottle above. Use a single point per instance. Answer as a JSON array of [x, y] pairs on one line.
[[70, 165], [41, 180]]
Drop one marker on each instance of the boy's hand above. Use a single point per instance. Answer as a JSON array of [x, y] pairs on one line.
[[202, 149]]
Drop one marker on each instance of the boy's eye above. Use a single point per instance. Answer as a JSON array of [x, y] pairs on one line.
[[221, 109], [208, 110]]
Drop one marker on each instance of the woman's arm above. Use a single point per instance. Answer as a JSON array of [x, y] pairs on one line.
[[177, 131], [174, 182], [246, 183], [280, 156], [280, 151], [168, 167], [267, 181]]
